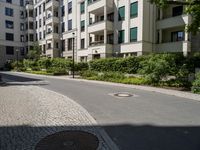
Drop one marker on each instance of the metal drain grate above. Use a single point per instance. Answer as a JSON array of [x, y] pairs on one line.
[[69, 140]]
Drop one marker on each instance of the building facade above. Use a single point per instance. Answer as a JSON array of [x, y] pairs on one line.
[[94, 28]]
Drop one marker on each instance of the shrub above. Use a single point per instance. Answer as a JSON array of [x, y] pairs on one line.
[[196, 84], [125, 65], [44, 63], [18, 66], [135, 80]]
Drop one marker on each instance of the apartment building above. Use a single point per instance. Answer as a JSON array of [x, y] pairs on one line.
[[94, 28]]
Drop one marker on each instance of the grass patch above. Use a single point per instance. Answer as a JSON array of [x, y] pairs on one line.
[[39, 72]]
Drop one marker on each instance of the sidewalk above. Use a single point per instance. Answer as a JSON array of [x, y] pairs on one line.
[[181, 94], [30, 113]]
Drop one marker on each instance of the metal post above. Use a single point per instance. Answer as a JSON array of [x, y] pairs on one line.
[[17, 52], [73, 57]]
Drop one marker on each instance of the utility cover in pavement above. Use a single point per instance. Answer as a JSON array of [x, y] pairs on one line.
[[122, 94], [69, 140]]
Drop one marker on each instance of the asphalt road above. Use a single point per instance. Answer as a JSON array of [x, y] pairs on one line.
[[146, 121]]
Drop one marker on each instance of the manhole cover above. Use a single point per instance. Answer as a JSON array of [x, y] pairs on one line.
[[123, 95], [69, 140]]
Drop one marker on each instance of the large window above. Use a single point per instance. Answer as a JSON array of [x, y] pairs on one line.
[[9, 50], [82, 7], [21, 2], [134, 9], [9, 24], [121, 37], [9, 12], [133, 34], [10, 36], [70, 7], [121, 13]]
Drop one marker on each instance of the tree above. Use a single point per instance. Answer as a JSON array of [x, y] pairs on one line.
[[192, 8], [35, 52]]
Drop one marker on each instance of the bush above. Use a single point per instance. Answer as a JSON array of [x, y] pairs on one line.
[[125, 65], [18, 66], [196, 84]]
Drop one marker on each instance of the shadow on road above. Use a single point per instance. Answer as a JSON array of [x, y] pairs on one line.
[[139, 137], [14, 80]]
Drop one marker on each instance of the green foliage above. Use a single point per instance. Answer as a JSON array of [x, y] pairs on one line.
[[156, 67], [125, 65], [196, 84], [35, 52], [18, 66]]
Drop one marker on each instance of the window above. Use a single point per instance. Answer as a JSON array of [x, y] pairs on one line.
[[22, 51], [9, 24], [70, 7], [9, 50], [70, 44], [82, 7], [22, 14], [177, 11], [134, 10], [40, 23], [82, 25], [82, 43], [44, 34], [133, 34], [40, 10], [36, 24], [10, 36], [9, 12], [22, 27], [31, 37], [63, 11], [9, 1], [40, 35], [43, 7], [177, 36], [22, 38], [69, 24], [121, 13], [63, 26], [35, 12], [121, 37], [44, 21], [21, 2]]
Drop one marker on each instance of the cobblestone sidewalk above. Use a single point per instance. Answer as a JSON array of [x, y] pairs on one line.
[[30, 113]]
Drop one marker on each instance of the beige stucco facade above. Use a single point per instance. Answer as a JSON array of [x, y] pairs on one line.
[[94, 26]]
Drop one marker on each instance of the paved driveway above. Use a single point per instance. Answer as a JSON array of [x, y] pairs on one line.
[[148, 121]]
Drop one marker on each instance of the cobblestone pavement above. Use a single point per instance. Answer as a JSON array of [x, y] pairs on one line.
[[30, 113]]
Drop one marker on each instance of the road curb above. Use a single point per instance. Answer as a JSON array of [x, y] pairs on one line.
[[170, 92]]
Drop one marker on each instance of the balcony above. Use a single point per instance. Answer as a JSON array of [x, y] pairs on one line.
[[50, 35], [181, 46], [100, 48], [173, 22], [95, 4], [51, 20], [52, 3], [100, 25]]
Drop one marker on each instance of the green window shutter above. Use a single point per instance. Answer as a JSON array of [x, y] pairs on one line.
[[133, 34], [121, 37], [134, 9], [82, 7], [121, 12]]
